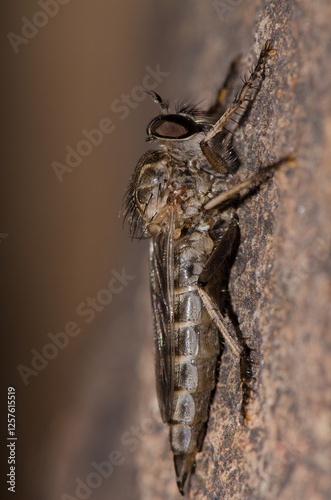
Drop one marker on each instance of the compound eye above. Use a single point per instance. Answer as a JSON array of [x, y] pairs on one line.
[[172, 127]]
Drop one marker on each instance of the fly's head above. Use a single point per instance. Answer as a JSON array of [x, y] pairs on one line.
[[179, 133]]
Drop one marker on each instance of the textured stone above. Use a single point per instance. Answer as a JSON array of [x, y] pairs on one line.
[[280, 283]]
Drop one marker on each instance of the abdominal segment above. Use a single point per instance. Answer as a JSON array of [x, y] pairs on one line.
[[196, 353]]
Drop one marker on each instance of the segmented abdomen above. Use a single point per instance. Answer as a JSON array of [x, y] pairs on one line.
[[196, 352]]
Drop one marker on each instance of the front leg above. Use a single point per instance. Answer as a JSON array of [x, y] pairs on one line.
[[206, 144], [222, 101]]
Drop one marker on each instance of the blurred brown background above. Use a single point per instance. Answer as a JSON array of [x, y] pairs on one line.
[[62, 242]]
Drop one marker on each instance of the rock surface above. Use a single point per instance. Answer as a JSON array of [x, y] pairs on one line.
[[280, 283]]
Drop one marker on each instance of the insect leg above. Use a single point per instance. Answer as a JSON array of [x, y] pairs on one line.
[[218, 108], [205, 145], [223, 324], [229, 328], [245, 186], [214, 265]]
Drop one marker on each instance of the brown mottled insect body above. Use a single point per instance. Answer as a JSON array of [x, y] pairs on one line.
[[181, 196], [197, 348]]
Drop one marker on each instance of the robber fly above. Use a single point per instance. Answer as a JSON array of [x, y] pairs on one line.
[[181, 196]]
